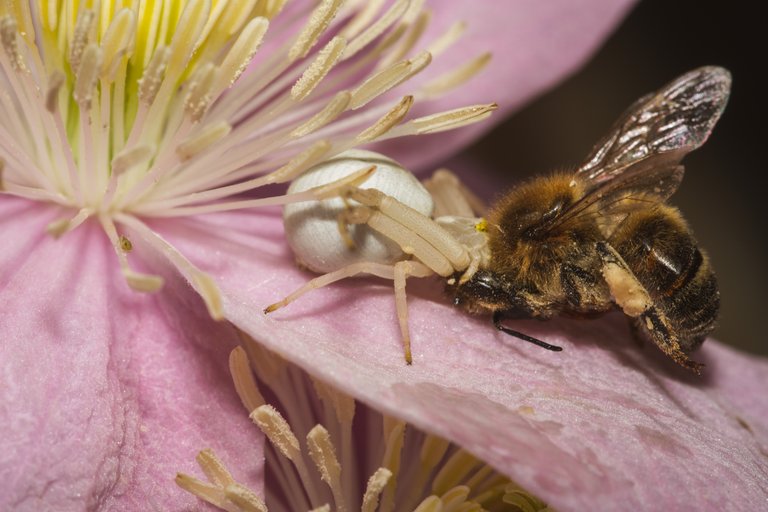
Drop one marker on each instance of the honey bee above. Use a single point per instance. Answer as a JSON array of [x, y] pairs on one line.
[[579, 243], [585, 242]]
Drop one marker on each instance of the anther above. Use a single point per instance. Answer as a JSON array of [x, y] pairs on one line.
[[199, 95], [388, 79], [242, 376], [80, 38], [87, 74], [150, 81], [55, 82], [324, 456], [117, 40], [374, 488], [277, 431], [244, 498], [456, 77], [318, 22], [242, 52], [202, 140], [452, 119], [146, 283], [214, 468], [130, 157], [388, 121], [377, 28], [331, 111], [304, 160], [209, 292], [321, 66], [8, 32]]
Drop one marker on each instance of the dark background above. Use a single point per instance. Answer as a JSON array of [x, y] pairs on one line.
[[722, 196]]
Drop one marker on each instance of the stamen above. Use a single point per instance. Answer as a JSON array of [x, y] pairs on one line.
[[455, 497], [8, 33], [453, 471], [430, 504], [324, 456], [415, 31], [242, 376], [456, 77], [140, 282], [214, 469], [87, 74], [199, 96], [118, 39], [59, 227], [394, 431], [373, 490], [387, 79], [150, 81], [188, 30], [522, 500], [203, 490], [277, 431], [82, 34], [202, 283], [240, 55], [452, 119], [320, 67], [130, 157], [363, 17], [378, 28], [55, 81], [331, 111], [202, 140], [247, 500], [387, 122], [301, 162], [447, 39], [318, 22]]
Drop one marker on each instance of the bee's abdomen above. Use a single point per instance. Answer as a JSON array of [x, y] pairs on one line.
[[661, 251]]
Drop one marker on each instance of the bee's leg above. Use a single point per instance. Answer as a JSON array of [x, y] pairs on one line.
[[632, 297], [398, 272], [574, 279], [452, 197]]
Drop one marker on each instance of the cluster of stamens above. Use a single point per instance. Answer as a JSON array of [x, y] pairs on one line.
[[336, 454], [127, 114]]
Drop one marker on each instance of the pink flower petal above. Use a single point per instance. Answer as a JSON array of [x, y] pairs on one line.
[[604, 424], [105, 393], [535, 44]]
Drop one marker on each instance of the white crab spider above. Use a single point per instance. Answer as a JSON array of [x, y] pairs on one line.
[[383, 226]]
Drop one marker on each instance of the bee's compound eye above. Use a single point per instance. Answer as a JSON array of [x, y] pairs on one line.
[[312, 227]]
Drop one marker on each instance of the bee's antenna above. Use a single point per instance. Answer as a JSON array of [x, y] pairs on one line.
[[498, 316]]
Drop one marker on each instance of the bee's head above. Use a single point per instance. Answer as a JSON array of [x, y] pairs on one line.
[[484, 291]]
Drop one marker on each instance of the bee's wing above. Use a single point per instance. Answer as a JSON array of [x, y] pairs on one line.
[[658, 130], [639, 161]]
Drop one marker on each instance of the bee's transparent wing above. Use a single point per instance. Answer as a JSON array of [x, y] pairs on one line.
[[639, 161], [658, 130]]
